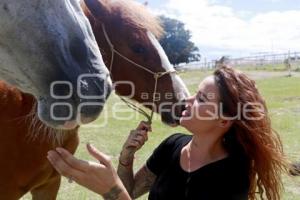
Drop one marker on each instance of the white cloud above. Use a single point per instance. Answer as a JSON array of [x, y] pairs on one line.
[[221, 27]]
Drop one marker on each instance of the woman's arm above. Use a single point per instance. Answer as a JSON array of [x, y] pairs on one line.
[[116, 193], [99, 177], [138, 184], [141, 182]]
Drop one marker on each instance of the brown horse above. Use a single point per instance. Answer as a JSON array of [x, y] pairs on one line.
[[24, 141], [125, 26]]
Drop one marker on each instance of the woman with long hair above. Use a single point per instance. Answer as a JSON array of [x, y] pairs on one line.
[[232, 152]]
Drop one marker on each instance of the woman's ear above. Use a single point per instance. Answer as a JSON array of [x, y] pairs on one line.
[[97, 8], [225, 123]]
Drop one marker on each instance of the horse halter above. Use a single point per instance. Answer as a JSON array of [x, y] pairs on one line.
[[156, 76]]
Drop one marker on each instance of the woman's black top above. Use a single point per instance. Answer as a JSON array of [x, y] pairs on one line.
[[226, 179]]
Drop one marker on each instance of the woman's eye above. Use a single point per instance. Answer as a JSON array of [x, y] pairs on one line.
[[139, 49]]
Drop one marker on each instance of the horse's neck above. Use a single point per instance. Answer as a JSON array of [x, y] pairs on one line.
[[14, 103]]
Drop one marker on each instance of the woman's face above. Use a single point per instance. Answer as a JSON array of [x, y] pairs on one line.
[[201, 114]]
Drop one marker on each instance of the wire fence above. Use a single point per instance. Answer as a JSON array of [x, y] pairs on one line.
[[279, 61]]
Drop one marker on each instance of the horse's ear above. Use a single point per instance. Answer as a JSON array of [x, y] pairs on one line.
[[97, 8]]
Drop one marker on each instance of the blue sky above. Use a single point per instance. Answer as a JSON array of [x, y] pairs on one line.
[[237, 27]]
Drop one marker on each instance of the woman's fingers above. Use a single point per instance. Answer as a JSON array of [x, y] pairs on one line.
[[140, 142], [143, 134], [133, 144], [137, 139], [101, 157], [99, 178], [62, 167], [144, 126], [72, 161], [139, 133]]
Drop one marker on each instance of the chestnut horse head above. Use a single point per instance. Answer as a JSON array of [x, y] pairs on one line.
[[47, 49], [130, 31]]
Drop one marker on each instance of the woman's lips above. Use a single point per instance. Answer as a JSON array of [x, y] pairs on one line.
[[185, 113]]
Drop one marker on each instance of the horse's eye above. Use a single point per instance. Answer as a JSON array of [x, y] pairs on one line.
[[139, 49]]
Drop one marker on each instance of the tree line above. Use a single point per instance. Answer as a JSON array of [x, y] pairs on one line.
[[177, 43]]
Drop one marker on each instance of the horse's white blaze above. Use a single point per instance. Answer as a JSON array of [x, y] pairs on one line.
[[179, 87]]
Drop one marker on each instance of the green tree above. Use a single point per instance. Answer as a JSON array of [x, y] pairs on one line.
[[176, 42]]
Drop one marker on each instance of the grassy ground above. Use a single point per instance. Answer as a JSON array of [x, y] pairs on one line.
[[281, 93]]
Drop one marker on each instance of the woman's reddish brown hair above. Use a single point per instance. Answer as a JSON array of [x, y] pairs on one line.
[[260, 144]]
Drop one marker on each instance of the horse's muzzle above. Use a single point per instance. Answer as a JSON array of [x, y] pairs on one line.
[[172, 118]]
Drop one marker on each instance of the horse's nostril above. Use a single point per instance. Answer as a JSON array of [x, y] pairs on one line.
[[91, 110], [78, 50]]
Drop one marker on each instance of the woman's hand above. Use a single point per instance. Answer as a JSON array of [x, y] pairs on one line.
[[99, 177], [134, 142]]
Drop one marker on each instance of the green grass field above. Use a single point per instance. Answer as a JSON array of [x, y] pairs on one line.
[[282, 95]]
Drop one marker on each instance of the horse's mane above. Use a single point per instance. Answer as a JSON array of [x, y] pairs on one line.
[[134, 13]]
